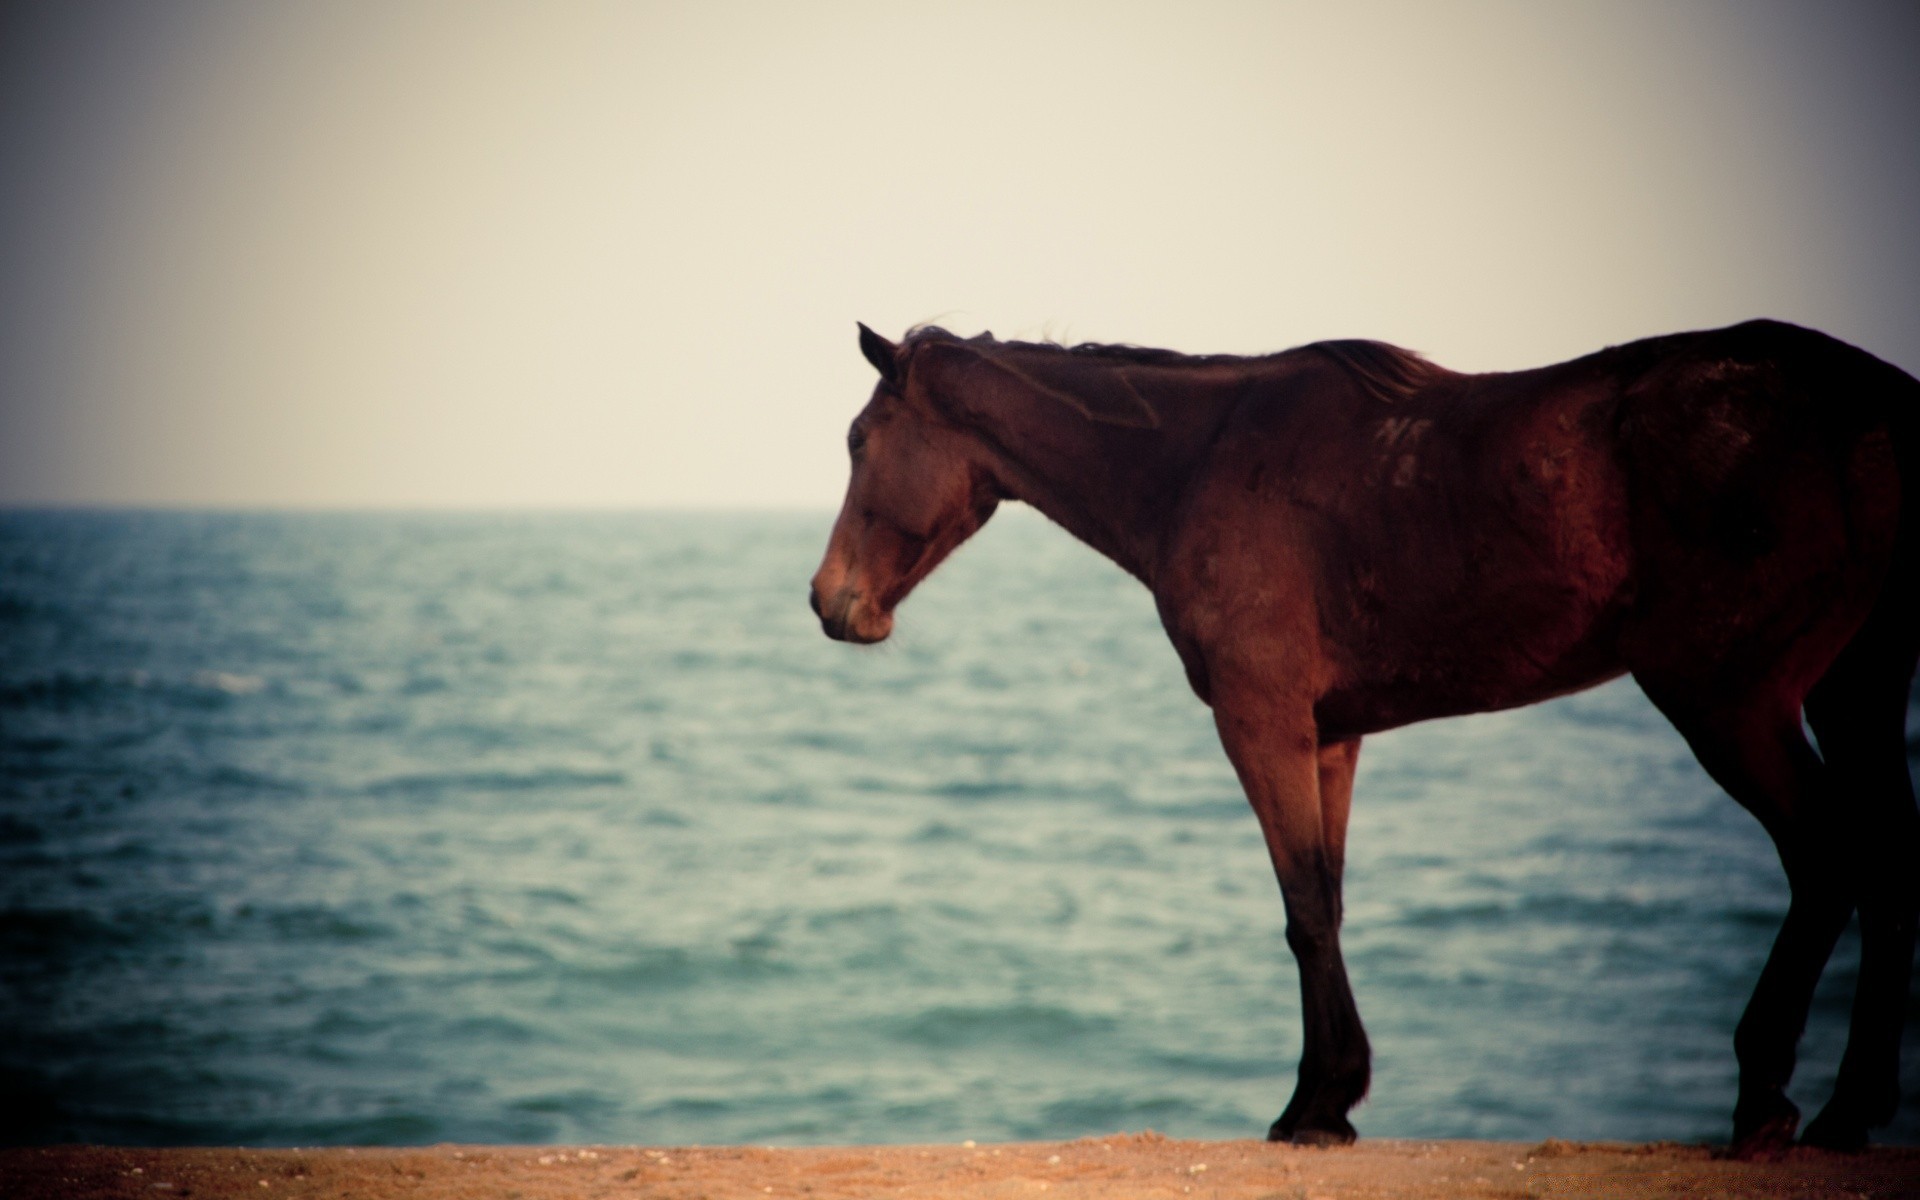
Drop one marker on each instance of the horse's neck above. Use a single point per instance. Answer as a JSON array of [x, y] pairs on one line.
[[1087, 515], [1113, 487]]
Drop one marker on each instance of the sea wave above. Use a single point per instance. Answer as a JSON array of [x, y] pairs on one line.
[[325, 828]]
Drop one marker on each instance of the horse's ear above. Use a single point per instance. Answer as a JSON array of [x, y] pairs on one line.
[[1108, 395], [881, 353]]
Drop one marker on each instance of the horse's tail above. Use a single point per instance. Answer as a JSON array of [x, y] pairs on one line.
[[1893, 396], [1903, 420], [1856, 398], [1873, 399]]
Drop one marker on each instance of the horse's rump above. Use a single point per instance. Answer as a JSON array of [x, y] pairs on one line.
[[1764, 466]]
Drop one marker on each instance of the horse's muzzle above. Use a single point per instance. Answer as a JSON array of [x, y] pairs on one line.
[[845, 619]]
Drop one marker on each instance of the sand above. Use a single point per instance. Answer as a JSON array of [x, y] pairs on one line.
[[1123, 1165]]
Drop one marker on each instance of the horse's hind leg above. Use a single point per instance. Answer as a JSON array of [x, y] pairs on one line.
[[1858, 711], [1753, 747]]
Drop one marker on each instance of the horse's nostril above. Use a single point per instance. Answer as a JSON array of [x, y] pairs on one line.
[[813, 598]]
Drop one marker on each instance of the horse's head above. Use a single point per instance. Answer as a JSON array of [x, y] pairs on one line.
[[920, 487]]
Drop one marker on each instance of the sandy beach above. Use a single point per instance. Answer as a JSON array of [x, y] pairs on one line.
[[1122, 1165]]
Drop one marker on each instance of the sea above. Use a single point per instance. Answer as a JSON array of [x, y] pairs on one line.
[[323, 829]]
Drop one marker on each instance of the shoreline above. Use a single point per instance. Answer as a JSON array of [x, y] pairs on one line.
[[1119, 1165]]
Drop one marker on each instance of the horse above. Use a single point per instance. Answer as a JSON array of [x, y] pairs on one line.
[[1346, 537]]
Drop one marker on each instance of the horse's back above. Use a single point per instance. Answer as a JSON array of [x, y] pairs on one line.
[[1483, 541]]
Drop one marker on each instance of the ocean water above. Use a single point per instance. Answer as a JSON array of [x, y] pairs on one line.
[[321, 829]]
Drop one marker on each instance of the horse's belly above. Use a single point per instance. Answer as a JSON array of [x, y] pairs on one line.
[[1478, 674], [1502, 640]]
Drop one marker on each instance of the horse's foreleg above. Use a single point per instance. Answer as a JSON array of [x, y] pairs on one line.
[[1300, 792], [1335, 1078]]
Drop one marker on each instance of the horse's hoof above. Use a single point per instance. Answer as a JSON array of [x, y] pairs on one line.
[[1831, 1131], [1766, 1143], [1763, 1127], [1334, 1133], [1283, 1126]]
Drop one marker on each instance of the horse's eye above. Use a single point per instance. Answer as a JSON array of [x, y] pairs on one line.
[[856, 438]]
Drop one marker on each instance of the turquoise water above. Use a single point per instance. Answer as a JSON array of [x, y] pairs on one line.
[[397, 829]]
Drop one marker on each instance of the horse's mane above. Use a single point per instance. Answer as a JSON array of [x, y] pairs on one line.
[[1117, 352], [1384, 371]]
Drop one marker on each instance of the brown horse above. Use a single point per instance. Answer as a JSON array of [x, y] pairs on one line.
[[1344, 538]]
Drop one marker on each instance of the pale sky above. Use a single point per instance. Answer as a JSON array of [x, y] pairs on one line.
[[391, 253]]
